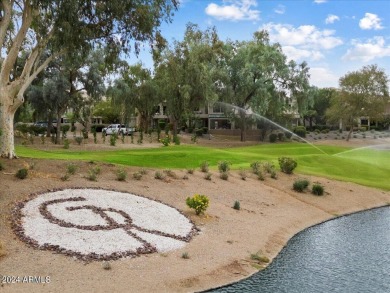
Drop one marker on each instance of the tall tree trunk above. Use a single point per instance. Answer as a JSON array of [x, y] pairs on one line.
[[349, 133], [243, 126], [58, 129], [8, 107]]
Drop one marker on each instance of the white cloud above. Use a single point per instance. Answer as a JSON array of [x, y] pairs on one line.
[[294, 53], [322, 77], [320, 1], [281, 9], [370, 21], [304, 37], [373, 48], [237, 10], [331, 18]]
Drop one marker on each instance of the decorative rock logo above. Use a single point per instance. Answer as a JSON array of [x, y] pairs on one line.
[[94, 224]]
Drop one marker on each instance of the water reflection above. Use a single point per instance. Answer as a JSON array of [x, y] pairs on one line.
[[349, 254]]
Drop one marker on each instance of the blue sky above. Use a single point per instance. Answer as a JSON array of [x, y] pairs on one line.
[[333, 36]]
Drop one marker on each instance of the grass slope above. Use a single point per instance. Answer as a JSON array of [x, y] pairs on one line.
[[367, 167]]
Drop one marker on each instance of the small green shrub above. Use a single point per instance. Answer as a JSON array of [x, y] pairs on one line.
[[158, 175], [22, 173], [237, 205], [287, 165], [300, 185], [317, 189], [224, 175], [64, 129], [198, 202], [170, 173], [194, 138], [260, 176], [243, 173], [259, 258], [113, 139], [71, 169], [281, 136], [79, 139], [1, 166], [268, 167], [273, 137], [137, 176], [256, 167], [204, 166], [93, 173], [166, 140], [143, 171], [66, 143], [185, 255], [224, 166], [190, 171], [185, 177], [274, 174], [121, 174], [207, 176], [176, 140]]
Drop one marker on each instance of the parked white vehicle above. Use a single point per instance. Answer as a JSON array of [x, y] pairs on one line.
[[118, 129]]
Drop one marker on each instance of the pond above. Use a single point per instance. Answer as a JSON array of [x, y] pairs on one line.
[[348, 254]]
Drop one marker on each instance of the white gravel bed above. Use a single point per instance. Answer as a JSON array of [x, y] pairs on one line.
[[102, 223]]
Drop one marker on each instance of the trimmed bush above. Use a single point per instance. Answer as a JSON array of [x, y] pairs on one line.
[[66, 143], [273, 137], [79, 140], [22, 173], [287, 165], [300, 185], [317, 189], [237, 205], [288, 134], [198, 202], [281, 136], [300, 131], [158, 175]]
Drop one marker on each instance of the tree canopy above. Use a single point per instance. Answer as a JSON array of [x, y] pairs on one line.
[[363, 93]]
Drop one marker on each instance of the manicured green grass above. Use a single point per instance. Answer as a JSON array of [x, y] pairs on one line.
[[367, 167]]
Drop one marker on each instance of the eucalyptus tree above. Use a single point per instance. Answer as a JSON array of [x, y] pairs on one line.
[[64, 27], [362, 93], [185, 72], [253, 73]]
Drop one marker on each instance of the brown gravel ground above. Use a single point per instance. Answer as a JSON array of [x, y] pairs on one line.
[[271, 213]]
